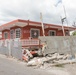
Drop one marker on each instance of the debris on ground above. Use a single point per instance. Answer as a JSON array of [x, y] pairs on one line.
[[53, 60], [26, 55]]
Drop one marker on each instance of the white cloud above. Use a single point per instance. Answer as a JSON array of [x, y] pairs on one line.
[[30, 9]]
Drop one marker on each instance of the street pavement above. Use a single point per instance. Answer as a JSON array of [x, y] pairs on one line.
[[10, 66]]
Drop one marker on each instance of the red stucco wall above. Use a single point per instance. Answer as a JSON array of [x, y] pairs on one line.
[[25, 31]]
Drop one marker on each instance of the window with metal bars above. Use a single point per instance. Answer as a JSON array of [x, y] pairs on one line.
[[12, 34], [5, 35], [18, 33], [52, 33], [34, 33]]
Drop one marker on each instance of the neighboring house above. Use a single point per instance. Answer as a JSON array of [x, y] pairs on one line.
[[25, 29]]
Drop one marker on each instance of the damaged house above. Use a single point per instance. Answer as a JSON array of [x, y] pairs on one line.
[[25, 29]]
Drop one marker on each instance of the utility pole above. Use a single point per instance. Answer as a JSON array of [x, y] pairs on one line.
[[42, 24], [62, 21], [66, 17]]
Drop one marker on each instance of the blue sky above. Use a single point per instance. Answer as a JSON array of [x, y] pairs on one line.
[[30, 9]]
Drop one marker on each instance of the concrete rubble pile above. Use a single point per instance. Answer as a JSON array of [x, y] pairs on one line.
[[52, 59], [33, 59]]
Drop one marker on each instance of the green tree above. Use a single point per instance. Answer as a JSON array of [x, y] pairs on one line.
[[74, 33]]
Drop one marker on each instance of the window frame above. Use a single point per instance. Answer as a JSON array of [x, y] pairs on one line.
[[66, 33], [52, 31], [15, 32], [34, 29], [4, 35]]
